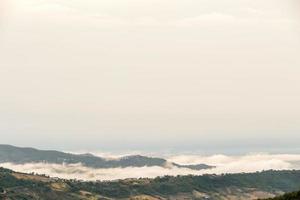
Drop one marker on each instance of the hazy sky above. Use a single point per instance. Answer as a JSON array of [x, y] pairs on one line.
[[205, 75]]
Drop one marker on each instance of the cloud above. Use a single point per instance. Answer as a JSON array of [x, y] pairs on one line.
[[220, 159], [246, 163], [223, 163], [77, 171]]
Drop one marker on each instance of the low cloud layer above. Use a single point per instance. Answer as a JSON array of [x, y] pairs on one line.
[[223, 163]]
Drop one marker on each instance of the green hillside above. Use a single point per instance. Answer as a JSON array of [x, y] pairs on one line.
[[15, 186], [288, 196]]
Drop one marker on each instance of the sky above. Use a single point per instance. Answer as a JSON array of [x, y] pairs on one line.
[[195, 75]]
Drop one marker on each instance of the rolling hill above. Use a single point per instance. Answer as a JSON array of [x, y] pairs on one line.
[[20, 155], [17, 186]]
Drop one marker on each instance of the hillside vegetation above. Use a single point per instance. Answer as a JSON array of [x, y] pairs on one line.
[[288, 196], [231, 186]]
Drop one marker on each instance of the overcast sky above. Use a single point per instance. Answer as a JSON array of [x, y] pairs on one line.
[[205, 75]]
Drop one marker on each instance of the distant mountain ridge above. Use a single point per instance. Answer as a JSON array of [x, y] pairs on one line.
[[22, 155]]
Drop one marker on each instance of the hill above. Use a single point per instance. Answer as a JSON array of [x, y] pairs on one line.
[[230, 186], [288, 196], [20, 155]]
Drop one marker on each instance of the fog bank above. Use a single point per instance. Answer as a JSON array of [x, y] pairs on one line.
[[223, 163]]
